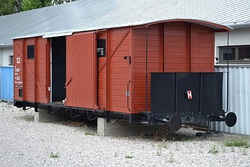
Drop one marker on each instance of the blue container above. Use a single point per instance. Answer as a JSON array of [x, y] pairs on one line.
[[6, 85]]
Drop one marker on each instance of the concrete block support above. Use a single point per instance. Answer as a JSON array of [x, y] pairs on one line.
[[123, 128], [43, 116]]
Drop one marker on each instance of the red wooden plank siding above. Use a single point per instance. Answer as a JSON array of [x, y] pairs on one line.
[[176, 47], [81, 70], [139, 63], [119, 70], [41, 72], [29, 74], [102, 74], [32, 71], [202, 49], [18, 67]]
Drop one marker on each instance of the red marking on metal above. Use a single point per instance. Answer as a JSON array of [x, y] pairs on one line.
[[189, 95]]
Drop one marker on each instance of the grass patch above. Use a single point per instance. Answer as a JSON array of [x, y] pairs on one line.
[[244, 151], [237, 143], [214, 150], [20, 153], [89, 134], [171, 158], [28, 118], [165, 144], [159, 152], [54, 155], [128, 157]]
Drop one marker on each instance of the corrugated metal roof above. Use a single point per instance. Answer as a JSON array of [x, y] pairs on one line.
[[85, 15]]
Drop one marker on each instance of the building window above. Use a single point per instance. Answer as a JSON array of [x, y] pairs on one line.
[[30, 52], [235, 54], [11, 60], [101, 47]]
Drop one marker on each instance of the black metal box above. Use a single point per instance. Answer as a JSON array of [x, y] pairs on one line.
[[193, 97]]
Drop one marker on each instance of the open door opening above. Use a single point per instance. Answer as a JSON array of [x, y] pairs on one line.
[[58, 69]]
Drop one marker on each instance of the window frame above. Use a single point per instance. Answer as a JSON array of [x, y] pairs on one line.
[[11, 60], [236, 54], [101, 47], [30, 55]]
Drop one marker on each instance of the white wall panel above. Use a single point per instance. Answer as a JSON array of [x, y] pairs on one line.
[[239, 99]]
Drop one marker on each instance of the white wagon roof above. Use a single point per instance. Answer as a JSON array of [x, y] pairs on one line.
[[85, 15]]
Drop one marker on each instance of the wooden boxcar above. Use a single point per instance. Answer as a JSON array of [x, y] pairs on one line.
[[108, 72]]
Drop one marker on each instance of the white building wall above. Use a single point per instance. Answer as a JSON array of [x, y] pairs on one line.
[[239, 79], [239, 99], [4, 55], [239, 36]]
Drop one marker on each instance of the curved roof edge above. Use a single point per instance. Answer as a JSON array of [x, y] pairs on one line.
[[215, 26]]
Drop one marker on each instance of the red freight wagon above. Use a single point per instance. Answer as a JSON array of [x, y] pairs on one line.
[[108, 73]]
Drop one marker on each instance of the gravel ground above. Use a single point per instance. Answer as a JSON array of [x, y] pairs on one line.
[[24, 142]]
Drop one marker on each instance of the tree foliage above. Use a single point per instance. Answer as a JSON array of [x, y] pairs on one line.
[[6, 7], [34, 4], [14, 6]]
